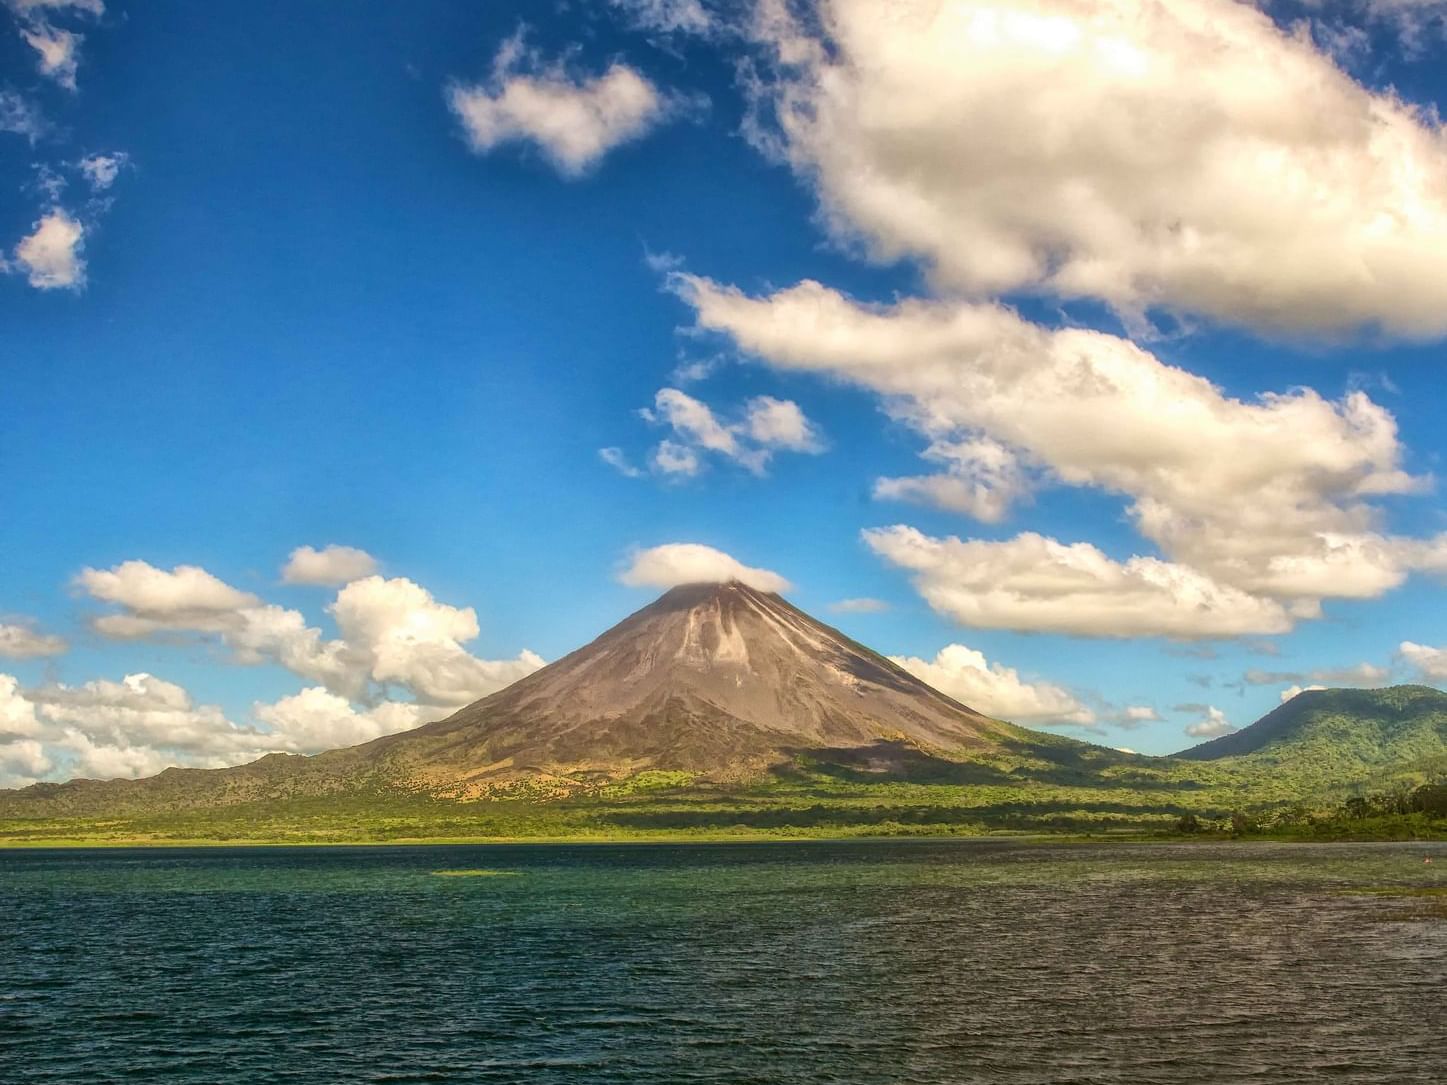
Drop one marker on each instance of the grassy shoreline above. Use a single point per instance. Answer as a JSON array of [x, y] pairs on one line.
[[1437, 835]]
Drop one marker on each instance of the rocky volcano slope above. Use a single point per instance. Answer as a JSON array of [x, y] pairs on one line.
[[719, 680]]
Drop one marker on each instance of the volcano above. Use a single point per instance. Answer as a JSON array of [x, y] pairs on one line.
[[721, 681]]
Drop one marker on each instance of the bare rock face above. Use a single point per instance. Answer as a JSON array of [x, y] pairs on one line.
[[718, 679]]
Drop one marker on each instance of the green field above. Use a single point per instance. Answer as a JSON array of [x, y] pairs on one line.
[[1331, 765], [1138, 796]]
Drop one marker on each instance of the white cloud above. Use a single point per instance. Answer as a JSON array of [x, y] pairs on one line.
[[142, 712], [1184, 154], [34, 8], [765, 426], [23, 641], [155, 594], [20, 116], [574, 121], [142, 724], [1414, 21], [1358, 675], [392, 631], [315, 720], [1277, 497], [1429, 662], [1212, 724], [50, 255], [997, 690], [673, 564], [57, 49], [401, 634], [982, 479], [1291, 691], [22, 762], [859, 606], [1136, 715], [615, 458], [101, 170], [332, 564], [779, 423], [17, 715], [1037, 584], [667, 16], [672, 458], [694, 422]]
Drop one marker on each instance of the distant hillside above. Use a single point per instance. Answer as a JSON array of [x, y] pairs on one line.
[[1345, 735]]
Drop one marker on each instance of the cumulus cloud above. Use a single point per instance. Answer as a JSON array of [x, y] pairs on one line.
[[997, 690], [1276, 497], [673, 564], [149, 594], [1212, 724], [50, 255], [1037, 584], [142, 724], [1291, 691], [21, 640], [863, 605], [332, 564], [316, 719], [1189, 155], [399, 661], [142, 712], [400, 633], [1430, 663], [392, 631], [17, 714], [779, 423], [765, 425], [106, 729], [573, 120]]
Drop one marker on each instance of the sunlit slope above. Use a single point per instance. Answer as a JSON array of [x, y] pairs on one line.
[[1343, 736]]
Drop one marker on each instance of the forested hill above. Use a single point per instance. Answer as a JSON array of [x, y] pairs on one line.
[[1345, 733]]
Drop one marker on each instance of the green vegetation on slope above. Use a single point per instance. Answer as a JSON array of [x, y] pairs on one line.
[[1294, 780]]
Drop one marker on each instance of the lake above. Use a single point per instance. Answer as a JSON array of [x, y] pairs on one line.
[[918, 961]]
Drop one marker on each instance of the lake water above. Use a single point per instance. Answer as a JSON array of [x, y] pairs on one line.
[[932, 962]]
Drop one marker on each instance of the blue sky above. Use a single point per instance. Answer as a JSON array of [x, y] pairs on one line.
[[390, 278]]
